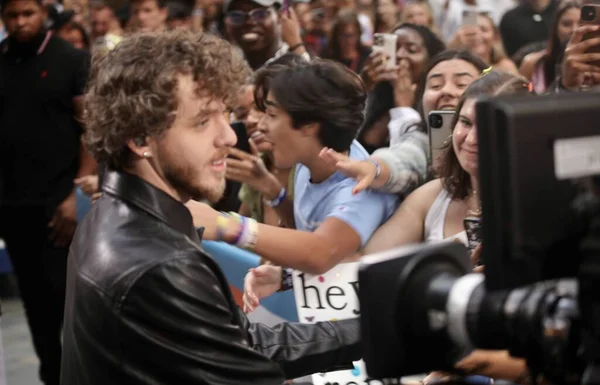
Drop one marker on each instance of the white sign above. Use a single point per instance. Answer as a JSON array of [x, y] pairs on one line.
[[329, 297], [576, 157]]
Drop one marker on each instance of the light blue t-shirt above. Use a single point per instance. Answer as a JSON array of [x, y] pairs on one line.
[[364, 212]]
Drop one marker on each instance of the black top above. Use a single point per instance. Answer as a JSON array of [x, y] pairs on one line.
[[523, 25], [39, 136]]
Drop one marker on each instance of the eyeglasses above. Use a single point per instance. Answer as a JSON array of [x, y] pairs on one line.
[[238, 18]]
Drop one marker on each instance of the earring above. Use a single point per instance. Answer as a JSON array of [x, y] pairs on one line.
[[146, 154]]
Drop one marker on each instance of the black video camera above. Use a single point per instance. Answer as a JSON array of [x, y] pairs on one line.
[[423, 310]]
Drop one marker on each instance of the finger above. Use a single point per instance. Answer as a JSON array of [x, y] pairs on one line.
[[253, 148], [585, 45], [586, 58], [326, 156], [242, 155], [78, 181], [336, 155], [580, 31], [362, 185], [582, 67], [348, 167], [240, 164]]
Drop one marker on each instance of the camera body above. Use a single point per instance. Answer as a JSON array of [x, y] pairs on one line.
[[540, 296]]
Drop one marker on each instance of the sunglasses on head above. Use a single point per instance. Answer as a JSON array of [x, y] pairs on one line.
[[240, 17]]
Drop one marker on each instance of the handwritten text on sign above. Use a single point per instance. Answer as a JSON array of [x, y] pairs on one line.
[[329, 297]]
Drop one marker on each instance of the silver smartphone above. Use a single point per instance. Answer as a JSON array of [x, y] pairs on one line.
[[440, 130], [386, 43]]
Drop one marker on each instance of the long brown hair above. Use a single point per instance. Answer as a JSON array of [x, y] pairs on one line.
[[343, 18], [457, 181]]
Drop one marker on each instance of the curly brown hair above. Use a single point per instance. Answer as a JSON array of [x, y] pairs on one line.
[[456, 181], [132, 89]]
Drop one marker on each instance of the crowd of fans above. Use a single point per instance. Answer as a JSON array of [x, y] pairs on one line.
[[331, 154]]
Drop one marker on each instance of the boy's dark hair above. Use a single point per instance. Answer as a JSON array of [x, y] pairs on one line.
[[320, 91]]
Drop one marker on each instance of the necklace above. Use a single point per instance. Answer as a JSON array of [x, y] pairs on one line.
[[477, 211]]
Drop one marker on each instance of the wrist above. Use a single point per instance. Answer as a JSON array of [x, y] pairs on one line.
[[237, 230], [271, 189], [295, 47]]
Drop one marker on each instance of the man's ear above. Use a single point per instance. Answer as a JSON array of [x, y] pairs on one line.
[[140, 147], [311, 129]]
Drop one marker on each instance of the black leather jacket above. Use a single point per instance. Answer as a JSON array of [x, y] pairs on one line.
[[146, 305]]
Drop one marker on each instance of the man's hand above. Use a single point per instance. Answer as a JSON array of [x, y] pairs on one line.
[[250, 169], [260, 282], [64, 222]]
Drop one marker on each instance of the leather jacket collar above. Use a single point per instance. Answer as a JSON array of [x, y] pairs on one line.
[[151, 200]]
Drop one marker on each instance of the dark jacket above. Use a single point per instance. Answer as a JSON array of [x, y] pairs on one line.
[[146, 305]]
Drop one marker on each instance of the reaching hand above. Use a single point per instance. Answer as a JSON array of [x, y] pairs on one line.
[[363, 171], [64, 222], [260, 282]]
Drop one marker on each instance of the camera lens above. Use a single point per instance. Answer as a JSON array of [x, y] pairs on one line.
[[588, 13], [435, 121]]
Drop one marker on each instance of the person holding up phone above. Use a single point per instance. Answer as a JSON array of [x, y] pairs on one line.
[[578, 66], [481, 36]]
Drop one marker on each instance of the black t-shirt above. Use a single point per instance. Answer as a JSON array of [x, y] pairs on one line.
[[39, 136], [522, 25]]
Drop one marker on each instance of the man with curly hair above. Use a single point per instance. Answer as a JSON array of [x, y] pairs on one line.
[[145, 304]]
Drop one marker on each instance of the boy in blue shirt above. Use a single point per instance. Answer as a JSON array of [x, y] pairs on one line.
[[308, 107]]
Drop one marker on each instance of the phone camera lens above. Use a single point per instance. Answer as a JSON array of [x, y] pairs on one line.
[[589, 14], [436, 121]]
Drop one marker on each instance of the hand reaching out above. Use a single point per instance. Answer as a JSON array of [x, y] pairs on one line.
[[363, 171], [260, 282]]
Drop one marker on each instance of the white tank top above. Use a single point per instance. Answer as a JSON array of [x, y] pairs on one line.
[[435, 219]]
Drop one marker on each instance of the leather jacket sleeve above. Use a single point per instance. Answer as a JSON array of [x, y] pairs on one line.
[[183, 316], [302, 349], [177, 315]]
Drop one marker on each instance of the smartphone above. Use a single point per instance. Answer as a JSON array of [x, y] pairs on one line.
[[469, 17], [590, 15], [242, 136], [386, 43], [440, 131], [473, 230]]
